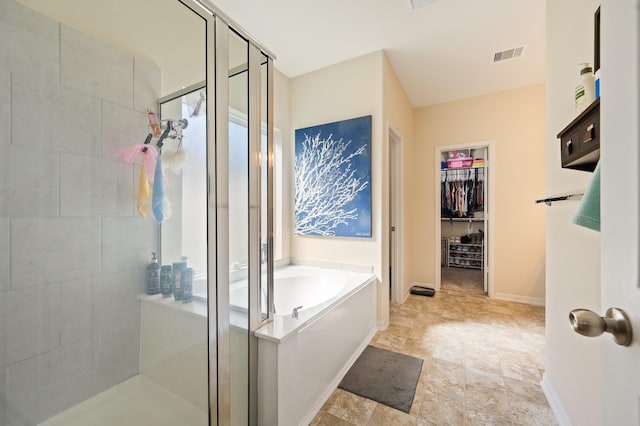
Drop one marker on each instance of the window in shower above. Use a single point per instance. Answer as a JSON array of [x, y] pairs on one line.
[[183, 233]]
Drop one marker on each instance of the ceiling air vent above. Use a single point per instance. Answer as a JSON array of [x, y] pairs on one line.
[[505, 55], [419, 4]]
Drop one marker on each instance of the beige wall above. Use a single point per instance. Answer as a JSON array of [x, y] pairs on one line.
[[346, 90], [282, 122], [398, 115], [573, 364], [514, 120]]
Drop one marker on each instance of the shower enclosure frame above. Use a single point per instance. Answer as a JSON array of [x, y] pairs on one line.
[[217, 27]]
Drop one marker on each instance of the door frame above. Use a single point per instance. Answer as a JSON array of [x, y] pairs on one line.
[[395, 214], [489, 252]]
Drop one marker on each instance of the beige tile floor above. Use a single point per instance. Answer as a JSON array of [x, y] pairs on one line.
[[483, 361]]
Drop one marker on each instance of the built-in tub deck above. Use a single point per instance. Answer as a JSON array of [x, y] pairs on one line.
[[302, 360]]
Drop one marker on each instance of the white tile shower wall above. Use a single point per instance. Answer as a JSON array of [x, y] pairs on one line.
[[45, 251], [146, 84], [121, 126], [118, 355], [92, 186], [5, 103], [76, 310], [72, 248], [4, 258], [33, 322], [116, 305], [51, 382], [3, 396], [95, 68], [30, 42], [3, 332], [127, 243], [28, 182], [54, 118]]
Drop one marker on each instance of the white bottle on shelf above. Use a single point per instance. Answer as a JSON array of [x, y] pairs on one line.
[[585, 92]]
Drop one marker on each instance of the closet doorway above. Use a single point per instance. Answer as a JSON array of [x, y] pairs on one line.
[[464, 207]]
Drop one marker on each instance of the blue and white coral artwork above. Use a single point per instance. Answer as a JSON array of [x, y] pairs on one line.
[[333, 179]]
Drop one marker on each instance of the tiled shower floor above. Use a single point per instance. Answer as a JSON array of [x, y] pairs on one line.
[[137, 401], [483, 362]]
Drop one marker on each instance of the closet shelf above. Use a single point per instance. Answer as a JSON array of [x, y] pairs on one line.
[[463, 168], [465, 266], [465, 255]]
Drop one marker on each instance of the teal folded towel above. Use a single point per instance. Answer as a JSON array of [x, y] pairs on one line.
[[589, 210]]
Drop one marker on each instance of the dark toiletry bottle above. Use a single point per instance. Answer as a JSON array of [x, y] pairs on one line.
[[166, 276], [178, 268], [152, 285], [186, 285]]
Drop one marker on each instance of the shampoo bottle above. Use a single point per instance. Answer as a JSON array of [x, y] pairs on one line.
[[153, 123], [186, 285], [178, 268], [166, 275], [586, 88], [152, 284]]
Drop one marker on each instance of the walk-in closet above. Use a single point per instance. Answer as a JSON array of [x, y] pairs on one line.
[[463, 219]]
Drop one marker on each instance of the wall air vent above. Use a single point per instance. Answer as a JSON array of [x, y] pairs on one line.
[[505, 55], [419, 4]]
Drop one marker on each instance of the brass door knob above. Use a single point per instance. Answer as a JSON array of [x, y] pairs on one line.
[[590, 324]]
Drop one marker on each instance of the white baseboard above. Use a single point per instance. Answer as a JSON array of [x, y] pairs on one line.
[[336, 381], [406, 296], [521, 299], [554, 401]]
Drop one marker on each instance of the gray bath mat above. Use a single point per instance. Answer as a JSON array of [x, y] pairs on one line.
[[389, 378]]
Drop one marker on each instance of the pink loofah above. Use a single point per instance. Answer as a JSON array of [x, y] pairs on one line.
[[129, 153]]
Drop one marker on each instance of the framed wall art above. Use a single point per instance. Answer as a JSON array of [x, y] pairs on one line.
[[333, 179]]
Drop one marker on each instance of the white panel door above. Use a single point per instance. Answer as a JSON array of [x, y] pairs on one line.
[[620, 208]]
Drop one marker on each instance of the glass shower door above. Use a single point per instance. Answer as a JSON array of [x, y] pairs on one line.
[[242, 165], [239, 227]]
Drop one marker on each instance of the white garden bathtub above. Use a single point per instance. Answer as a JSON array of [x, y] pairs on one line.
[[296, 286], [302, 360]]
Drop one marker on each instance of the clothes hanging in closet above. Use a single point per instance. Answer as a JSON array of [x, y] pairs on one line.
[[462, 192]]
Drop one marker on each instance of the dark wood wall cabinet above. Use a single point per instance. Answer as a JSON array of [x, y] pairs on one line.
[[580, 140]]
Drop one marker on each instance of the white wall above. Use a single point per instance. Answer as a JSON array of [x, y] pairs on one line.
[[177, 38], [346, 90], [573, 363]]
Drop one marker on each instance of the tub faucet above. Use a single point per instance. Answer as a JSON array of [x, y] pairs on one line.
[[294, 314]]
